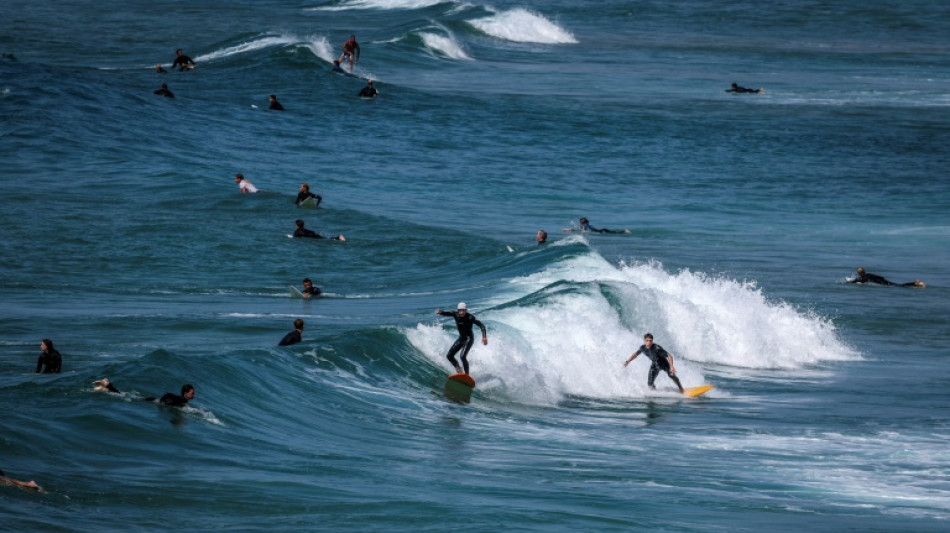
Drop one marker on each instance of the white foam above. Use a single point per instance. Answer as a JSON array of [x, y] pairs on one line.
[[248, 46], [444, 45], [523, 26], [320, 48], [572, 338]]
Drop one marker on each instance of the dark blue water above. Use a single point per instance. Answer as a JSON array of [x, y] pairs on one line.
[[125, 240]]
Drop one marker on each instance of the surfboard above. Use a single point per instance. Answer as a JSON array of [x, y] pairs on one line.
[[309, 203], [295, 293], [459, 388], [692, 392]]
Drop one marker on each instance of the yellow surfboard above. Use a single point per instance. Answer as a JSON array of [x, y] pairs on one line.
[[692, 392], [459, 388]]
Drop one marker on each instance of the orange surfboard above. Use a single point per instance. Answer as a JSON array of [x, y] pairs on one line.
[[459, 388], [692, 392]]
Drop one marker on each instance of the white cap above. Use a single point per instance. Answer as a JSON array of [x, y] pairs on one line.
[[462, 306]]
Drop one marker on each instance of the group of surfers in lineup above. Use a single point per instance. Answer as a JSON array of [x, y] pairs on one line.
[[350, 55]]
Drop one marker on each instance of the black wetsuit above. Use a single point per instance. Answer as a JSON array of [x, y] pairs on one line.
[[588, 227], [368, 92], [738, 89], [658, 356], [880, 280], [312, 291], [301, 196], [164, 92], [182, 61], [275, 105], [304, 232], [173, 400], [291, 338], [466, 337], [52, 360]]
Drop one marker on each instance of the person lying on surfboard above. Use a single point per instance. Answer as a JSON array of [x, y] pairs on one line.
[[302, 232], [867, 277], [662, 360], [464, 322], [242, 183], [736, 88], [585, 226]]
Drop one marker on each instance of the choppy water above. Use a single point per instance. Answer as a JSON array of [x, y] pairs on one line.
[[124, 240]]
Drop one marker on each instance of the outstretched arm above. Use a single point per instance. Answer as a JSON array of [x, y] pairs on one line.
[[631, 358]]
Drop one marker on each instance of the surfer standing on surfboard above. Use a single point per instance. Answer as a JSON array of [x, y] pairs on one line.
[[662, 360], [351, 52], [464, 322]]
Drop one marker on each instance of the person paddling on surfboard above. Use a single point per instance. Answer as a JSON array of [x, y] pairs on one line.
[[464, 321], [867, 277], [736, 88], [662, 360], [302, 232], [243, 184], [585, 226]]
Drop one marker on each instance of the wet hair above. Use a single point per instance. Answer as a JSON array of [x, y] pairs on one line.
[[305, 186], [648, 336], [584, 220], [186, 388], [49, 344], [164, 86], [274, 97], [239, 176], [307, 280], [299, 223], [298, 324], [860, 270], [178, 51]]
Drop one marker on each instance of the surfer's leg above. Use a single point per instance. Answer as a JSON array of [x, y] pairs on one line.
[[468, 346], [654, 370], [675, 380], [454, 350]]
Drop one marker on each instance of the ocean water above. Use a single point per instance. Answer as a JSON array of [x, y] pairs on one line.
[[125, 240]]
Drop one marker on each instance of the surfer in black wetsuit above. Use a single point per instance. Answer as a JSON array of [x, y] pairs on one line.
[[301, 232], [464, 322], [661, 360], [369, 91], [174, 400], [274, 104], [866, 277], [585, 226], [736, 88], [182, 61], [309, 290], [164, 91], [294, 336], [305, 193], [50, 361]]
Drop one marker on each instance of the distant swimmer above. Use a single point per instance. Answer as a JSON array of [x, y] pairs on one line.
[[737, 89], [305, 195], [302, 232], [159, 69], [104, 385], [661, 360], [174, 400], [866, 277], [337, 69], [586, 227], [464, 323], [243, 184], [369, 91], [542, 236], [164, 91], [309, 290], [10, 482], [274, 104], [50, 361], [294, 336], [182, 62], [351, 52]]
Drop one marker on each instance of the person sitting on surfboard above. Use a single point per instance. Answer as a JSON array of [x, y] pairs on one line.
[[304, 232], [274, 104], [464, 322], [182, 61], [243, 184], [585, 226], [867, 277], [662, 360], [294, 336], [369, 91], [309, 290], [305, 193], [50, 361], [738, 89], [164, 91]]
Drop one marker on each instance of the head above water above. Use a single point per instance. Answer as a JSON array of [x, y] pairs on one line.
[[861, 270], [298, 324], [188, 391], [299, 223], [238, 177], [584, 220]]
